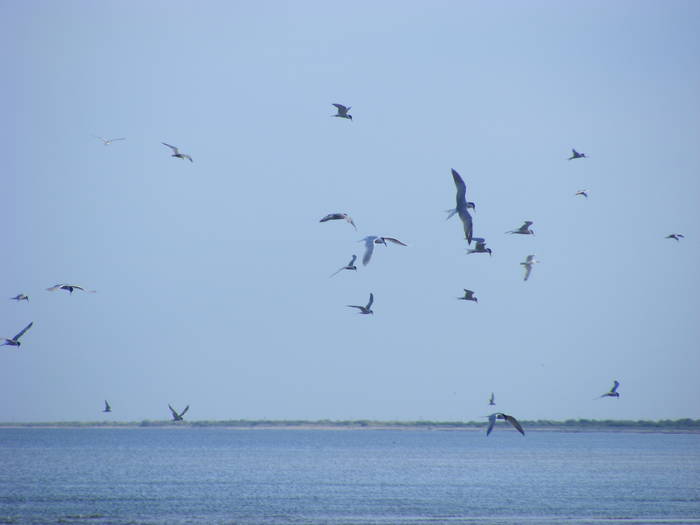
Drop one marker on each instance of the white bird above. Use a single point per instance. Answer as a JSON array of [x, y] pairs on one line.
[[343, 111], [176, 152], [364, 309], [528, 265], [461, 207], [524, 229], [577, 155], [468, 296], [349, 266], [613, 391], [176, 416], [480, 246], [107, 142], [677, 236], [14, 341], [20, 297], [338, 216], [582, 192], [69, 288], [505, 417]]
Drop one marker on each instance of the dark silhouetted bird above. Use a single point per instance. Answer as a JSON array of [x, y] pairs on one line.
[[14, 341], [506, 417]]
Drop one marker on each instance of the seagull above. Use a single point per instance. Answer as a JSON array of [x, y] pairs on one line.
[[577, 155], [506, 417], [176, 152], [613, 391], [176, 416], [524, 229], [342, 111], [491, 400], [107, 407], [20, 297], [528, 265], [364, 309], [468, 296], [349, 266], [14, 341], [582, 192], [480, 246], [107, 142], [462, 206], [337, 216], [677, 236], [69, 288]]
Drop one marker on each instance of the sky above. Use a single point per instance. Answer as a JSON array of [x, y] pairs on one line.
[[212, 277]]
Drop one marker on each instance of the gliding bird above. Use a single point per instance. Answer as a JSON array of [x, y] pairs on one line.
[[349, 266], [107, 142], [524, 229], [176, 416], [364, 309], [582, 192], [528, 265], [677, 236], [337, 216], [342, 111], [176, 152], [461, 206], [577, 155], [468, 296], [20, 297], [506, 417], [69, 288], [14, 341]]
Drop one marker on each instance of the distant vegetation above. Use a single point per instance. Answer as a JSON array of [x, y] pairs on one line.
[[572, 425]]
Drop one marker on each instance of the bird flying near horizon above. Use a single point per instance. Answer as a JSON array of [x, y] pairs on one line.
[[505, 417], [176, 416]]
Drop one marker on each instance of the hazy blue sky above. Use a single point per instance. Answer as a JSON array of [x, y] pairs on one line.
[[212, 277]]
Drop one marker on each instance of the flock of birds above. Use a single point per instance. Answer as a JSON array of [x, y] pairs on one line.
[[461, 209]]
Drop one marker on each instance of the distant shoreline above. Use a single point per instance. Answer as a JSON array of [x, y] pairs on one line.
[[580, 425]]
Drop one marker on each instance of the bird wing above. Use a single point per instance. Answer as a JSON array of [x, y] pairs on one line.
[[515, 423], [369, 248], [172, 411], [355, 306], [468, 293], [341, 109], [461, 189], [186, 409], [492, 422], [55, 287], [526, 225], [175, 150], [23, 330], [352, 261], [615, 385], [528, 269], [467, 223], [107, 407], [371, 300], [395, 241]]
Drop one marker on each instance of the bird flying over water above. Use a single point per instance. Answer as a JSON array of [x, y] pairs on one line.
[[14, 341], [613, 391], [176, 152], [20, 297], [338, 216], [176, 416], [364, 309], [461, 206], [524, 229], [480, 246], [505, 417], [492, 401], [349, 266], [69, 288], [107, 142], [582, 192], [677, 236], [528, 265], [577, 155], [468, 296], [107, 407], [343, 111]]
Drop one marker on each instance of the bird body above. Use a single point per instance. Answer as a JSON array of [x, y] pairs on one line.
[[576, 155], [20, 297], [343, 111], [468, 296], [505, 417], [349, 266], [462, 206], [364, 309], [176, 152], [176, 416], [14, 341], [338, 216], [529, 261], [524, 229]]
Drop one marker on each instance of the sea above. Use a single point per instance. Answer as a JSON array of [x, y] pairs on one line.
[[191, 475]]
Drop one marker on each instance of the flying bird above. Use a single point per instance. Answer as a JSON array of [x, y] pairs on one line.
[[14, 341], [349, 266], [107, 407], [492, 401], [582, 192], [468, 296], [107, 142], [677, 236], [613, 391], [524, 229], [176, 152], [343, 111], [364, 309], [461, 207], [506, 417], [338, 216], [69, 288], [382, 240], [577, 155], [528, 265], [176, 416], [20, 297], [480, 246]]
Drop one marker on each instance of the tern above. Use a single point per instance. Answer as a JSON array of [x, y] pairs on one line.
[[107, 142], [343, 111], [582, 192], [14, 341], [524, 229], [107, 407], [468, 296], [176, 416], [677, 236], [20, 297], [349, 266], [371, 240], [382, 240], [176, 152], [338, 216], [69, 288], [480, 246], [613, 391], [364, 309], [506, 417], [462, 207], [528, 265], [577, 155], [492, 401]]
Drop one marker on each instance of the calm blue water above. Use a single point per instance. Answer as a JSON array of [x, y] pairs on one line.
[[204, 475]]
